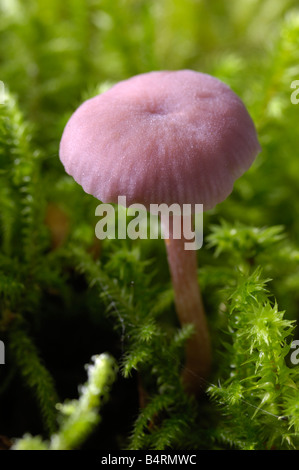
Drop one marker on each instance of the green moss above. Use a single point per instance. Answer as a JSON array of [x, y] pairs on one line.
[[65, 296]]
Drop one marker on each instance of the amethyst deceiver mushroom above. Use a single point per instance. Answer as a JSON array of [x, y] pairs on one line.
[[165, 137]]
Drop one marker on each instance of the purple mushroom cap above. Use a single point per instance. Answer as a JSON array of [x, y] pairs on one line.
[[161, 137]]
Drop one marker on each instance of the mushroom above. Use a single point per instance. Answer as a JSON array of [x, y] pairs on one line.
[[180, 137]]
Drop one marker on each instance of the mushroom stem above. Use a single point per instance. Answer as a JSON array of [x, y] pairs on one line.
[[190, 309]]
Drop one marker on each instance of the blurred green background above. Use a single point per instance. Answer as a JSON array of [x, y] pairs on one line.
[[54, 55]]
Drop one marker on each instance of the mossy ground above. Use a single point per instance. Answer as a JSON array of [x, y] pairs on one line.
[[65, 296]]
